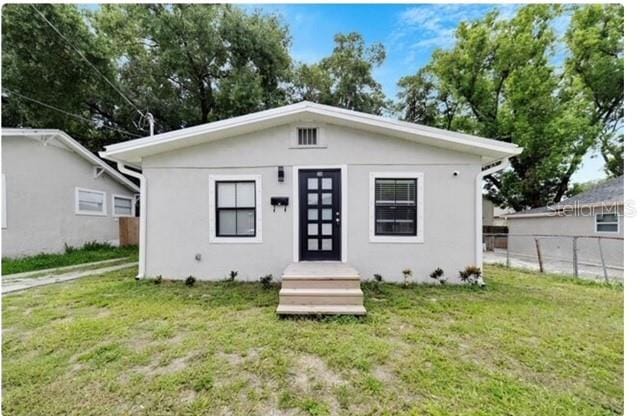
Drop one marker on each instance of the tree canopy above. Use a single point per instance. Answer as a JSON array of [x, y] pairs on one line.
[[499, 81], [96, 73]]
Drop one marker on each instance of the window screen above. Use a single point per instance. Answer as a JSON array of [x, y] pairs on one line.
[[307, 136], [607, 223], [90, 201], [395, 206], [236, 209]]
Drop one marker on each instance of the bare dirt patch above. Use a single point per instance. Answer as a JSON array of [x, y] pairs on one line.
[[310, 370], [384, 374]]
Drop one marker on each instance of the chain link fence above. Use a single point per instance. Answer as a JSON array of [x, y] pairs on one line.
[[583, 256]]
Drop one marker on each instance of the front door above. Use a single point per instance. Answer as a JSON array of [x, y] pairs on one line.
[[319, 192]]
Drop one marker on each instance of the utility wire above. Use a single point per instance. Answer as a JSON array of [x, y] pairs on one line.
[[87, 61], [79, 117]]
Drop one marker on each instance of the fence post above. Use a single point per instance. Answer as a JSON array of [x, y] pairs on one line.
[[604, 266], [508, 259], [539, 255], [575, 257]]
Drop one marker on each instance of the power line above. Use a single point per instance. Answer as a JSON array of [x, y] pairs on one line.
[[79, 117], [87, 61]]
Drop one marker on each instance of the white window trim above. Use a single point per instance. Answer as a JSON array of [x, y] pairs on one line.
[[213, 238], [419, 237], [4, 201], [595, 223], [344, 211], [103, 213], [113, 205], [321, 143]]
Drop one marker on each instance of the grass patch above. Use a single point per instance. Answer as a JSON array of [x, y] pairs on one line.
[[90, 252], [527, 344]]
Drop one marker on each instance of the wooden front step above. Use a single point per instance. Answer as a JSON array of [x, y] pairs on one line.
[[321, 296], [320, 288]]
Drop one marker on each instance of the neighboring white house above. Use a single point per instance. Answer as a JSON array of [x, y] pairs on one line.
[[309, 183], [598, 212], [56, 192]]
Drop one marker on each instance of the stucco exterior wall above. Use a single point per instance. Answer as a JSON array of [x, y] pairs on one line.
[[178, 205], [40, 190], [561, 248]]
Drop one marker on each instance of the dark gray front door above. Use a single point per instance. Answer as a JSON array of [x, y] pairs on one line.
[[320, 203]]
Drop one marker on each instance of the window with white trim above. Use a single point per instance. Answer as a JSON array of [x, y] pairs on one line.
[[396, 206], [235, 209], [607, 223], [90, 202], [123, 206]]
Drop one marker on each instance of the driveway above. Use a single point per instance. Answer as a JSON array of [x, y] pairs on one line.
[[12, 284]]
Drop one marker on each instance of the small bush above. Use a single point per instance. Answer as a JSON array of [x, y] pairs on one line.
[[438, 274], [377, 278], [190, 281], [406, 274], [266, 281], [470, 274], [232, 275], [158, 279]]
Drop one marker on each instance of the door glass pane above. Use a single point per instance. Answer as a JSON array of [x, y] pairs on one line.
[[312, 199], [326, 183], [327, 229], [326, 199], [326, 244], [327, 214], [227, 224], [312, 214], [226, 195], [246, 194], [312, 244], [312, 229], [246, 222], [312, 183]]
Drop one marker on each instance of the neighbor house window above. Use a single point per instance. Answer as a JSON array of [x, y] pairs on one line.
[[123, 206], [307, 136], [90, 202], [607, 223], [396, 207], [235, 214]]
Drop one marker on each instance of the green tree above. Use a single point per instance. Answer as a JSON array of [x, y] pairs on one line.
[[596, 41], [190, 64], [39, 64], [345, 78], [501, 85]]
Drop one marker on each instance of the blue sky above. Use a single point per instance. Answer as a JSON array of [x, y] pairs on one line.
[[409, 32]]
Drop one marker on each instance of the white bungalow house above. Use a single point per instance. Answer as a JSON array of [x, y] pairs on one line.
[[56, 192], [319, 195]]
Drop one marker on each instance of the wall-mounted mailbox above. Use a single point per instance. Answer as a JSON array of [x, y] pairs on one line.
[[279, 201]]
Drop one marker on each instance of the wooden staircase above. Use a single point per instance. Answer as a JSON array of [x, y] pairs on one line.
[[321, 288]]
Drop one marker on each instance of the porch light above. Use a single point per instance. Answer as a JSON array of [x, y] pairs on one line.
[[280, 173]]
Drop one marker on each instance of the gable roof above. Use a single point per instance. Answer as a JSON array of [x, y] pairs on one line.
[[69, 143], [132, 151], [607, 193]]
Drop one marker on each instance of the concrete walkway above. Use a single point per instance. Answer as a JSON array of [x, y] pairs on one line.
[[22, 281]]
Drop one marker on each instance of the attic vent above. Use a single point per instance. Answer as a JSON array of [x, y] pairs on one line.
[[307, 136]]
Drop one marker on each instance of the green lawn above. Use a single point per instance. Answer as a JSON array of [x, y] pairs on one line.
[[89, 253], [524, 345]]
